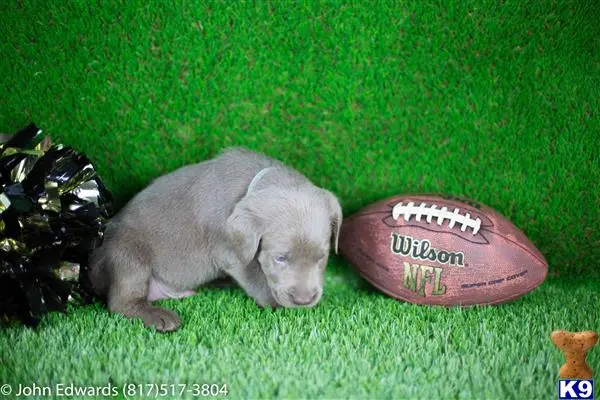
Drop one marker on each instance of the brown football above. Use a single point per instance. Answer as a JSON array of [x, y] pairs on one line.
[[441, 250]]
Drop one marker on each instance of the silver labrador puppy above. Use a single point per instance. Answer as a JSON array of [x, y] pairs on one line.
[[241, 215]]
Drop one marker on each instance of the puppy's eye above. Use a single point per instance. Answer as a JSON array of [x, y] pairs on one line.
[[281, 259]]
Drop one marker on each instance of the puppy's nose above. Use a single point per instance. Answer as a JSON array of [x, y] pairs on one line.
[[304, 299]]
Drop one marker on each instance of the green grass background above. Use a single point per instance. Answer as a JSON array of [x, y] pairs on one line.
[[492, 100]]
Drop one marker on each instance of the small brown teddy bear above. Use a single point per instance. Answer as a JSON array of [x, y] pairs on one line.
[[575, 346]]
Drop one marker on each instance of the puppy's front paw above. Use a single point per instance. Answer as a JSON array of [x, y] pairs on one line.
[[162, 319], [267, 302]]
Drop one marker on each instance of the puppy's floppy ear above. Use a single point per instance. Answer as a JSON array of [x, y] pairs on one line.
[[335, 216], [244, 229]]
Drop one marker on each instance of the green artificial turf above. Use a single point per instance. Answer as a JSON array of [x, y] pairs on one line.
[[356, 343], [492, 100]]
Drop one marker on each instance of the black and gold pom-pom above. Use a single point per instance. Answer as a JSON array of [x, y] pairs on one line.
[[53, 212]]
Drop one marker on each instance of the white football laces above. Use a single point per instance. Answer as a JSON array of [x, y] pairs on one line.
[[441, 214]]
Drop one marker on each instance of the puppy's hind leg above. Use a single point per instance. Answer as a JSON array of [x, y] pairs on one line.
[[128, 295]]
